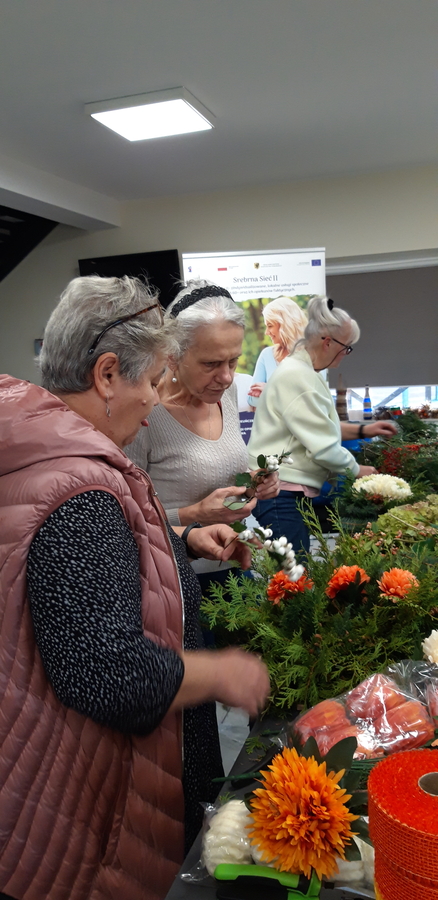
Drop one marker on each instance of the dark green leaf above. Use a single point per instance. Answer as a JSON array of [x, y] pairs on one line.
[[358, 798], [261, 461], [362, 829], [247, 800], [238, 527], [351, 780], [243, 478], [311, 749], [340, 756], [352, 851]]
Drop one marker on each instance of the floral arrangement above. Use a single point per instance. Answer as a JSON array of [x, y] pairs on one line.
[[409, 523], [383, 487], [353, 611], [364, 499], [411, 454]]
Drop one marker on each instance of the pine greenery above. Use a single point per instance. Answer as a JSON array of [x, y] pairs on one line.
[[316, 647]]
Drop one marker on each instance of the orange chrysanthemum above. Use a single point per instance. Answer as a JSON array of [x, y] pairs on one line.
[[344, 576], [280, 585], [300, 817], [397, 583]]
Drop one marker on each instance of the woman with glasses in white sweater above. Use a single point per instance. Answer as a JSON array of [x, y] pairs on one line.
[[296, 413]]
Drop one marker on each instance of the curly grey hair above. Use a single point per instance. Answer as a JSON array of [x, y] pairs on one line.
[[208, 311], [85, 308]]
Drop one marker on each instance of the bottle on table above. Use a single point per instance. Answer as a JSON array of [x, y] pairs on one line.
[[367, 408]]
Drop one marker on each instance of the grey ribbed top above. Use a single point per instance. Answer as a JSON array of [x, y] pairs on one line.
[[183, 466]]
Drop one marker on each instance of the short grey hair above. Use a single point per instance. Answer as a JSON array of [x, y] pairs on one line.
[[84, 309], [327, 322], [208, 311]]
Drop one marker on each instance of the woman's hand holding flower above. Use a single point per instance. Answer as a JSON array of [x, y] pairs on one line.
[[220, 542], [268, 487], [211, 509]]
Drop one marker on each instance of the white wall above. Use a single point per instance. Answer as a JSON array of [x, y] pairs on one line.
[[350, 216]]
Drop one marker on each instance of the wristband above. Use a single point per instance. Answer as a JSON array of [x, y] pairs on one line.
[[185, 535], [361, 435]]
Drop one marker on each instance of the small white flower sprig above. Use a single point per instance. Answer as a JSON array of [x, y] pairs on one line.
[[267, 465], [430, 647], [280, 550]]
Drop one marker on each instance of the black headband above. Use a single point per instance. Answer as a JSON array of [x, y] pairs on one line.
[[210, 290], [330, 304]]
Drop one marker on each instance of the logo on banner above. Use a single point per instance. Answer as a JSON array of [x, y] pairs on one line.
[[316, 262], [225, 269], [257, 265]]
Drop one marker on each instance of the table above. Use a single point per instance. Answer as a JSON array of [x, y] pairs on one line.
[[206, 890]]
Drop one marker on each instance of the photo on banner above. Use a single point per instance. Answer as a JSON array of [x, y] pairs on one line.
[[254, 278]]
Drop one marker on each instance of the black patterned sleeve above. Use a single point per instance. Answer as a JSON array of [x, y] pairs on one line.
[[85, 599]]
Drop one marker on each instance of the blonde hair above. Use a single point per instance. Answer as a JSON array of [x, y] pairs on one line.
[[292, 321]]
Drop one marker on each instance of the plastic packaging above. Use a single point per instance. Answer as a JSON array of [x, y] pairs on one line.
[[224, 839], [390, 711]]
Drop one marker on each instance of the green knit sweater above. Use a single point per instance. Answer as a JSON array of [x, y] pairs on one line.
[[296, 412]]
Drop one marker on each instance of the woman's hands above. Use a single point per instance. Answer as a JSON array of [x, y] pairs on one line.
[[230, 676], [268, 487], [366, 470], [256, 389], [382, 427], [211, 510], [219, 542]]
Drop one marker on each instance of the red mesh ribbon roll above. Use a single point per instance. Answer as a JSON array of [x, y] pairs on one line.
[[404, 826], [392, 883]]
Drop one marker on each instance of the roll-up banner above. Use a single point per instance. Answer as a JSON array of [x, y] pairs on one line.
[[254, 278]]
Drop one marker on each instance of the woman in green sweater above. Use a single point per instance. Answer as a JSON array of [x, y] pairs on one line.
[[296, 413]]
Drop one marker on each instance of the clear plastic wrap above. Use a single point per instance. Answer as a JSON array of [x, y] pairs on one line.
[[389, 711], [224, 839]]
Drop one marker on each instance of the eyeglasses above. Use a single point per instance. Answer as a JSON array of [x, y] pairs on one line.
[[347, 348], [124, 319]]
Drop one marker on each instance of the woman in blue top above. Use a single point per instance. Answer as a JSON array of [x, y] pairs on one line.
[[285, 323]]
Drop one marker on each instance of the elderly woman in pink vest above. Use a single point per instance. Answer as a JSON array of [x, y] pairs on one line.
[[98, 617]]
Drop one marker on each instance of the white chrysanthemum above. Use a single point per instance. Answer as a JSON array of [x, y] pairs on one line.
[[430, 647], [387, 486]]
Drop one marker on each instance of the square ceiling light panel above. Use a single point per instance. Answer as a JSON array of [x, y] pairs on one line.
[[158, 114]]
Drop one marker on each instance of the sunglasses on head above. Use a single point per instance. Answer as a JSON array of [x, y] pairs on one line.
[[121, 321]]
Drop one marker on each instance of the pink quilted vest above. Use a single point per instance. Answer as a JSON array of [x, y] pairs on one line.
[[85, 812]]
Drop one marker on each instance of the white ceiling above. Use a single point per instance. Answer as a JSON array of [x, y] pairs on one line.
[[299, 88]]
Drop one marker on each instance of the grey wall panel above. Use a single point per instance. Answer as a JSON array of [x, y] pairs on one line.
[[398, 316]]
